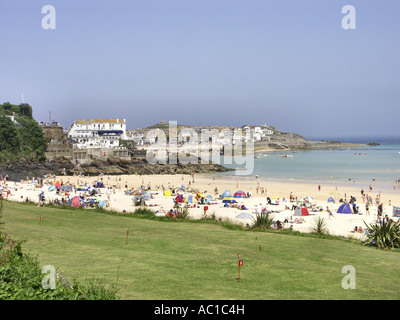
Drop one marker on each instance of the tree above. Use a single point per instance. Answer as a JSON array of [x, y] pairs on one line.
[[25, 110], [32, 139], [9, 137], [7, 106]]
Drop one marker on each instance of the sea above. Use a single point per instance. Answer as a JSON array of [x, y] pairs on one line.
[[360, 166]]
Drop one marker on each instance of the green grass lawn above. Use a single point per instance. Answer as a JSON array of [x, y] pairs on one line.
[[190, 261]]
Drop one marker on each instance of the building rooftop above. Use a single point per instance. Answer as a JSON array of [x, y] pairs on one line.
[[90, 121]]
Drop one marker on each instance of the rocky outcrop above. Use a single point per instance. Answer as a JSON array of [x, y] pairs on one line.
[[113, 166], [23, 168], [302, 144]]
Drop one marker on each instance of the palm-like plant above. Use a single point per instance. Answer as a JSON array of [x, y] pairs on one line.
[[320, 225], [262, 220], [384, 235]]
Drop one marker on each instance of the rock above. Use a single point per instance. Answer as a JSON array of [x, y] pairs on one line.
[[113, 166]]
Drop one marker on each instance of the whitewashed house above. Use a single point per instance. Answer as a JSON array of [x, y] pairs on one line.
[[97, 133]]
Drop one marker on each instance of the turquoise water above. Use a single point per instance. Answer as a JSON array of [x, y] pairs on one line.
[[357, 165]]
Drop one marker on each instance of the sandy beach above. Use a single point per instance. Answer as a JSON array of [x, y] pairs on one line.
[[278, 191]]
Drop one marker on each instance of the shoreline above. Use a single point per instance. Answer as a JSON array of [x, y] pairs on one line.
[[278, 191]]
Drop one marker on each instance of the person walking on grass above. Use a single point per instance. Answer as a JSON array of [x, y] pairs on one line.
[[41, 198]]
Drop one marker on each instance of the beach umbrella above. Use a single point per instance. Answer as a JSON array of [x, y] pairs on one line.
[[229, 200], [209, 198], [52, 188], [345, 209], [66, 188], [81, 188], [226, 193], [77, 201], [104, 203], [189, 199], [307, 198], [92, 202], [239, 194], [179, 198], [301, 212], [199, 196], [146, 196], [244, 215]]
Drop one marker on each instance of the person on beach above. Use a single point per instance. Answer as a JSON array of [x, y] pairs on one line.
[[259, 208], [380, 209], [329, 212], [367, 209]]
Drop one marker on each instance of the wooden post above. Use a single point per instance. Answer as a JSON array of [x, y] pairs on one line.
[[127, 233], [240, 263]]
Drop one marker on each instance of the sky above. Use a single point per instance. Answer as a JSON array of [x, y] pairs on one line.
[[287, 63]]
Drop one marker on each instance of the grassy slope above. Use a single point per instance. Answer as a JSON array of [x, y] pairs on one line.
[[167, 260]]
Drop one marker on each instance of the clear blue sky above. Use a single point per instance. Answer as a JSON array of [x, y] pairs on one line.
[[288, 63]]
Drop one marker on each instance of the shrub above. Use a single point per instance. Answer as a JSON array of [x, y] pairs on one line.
[[383, 235], [320, 225], [183, 213], [262, 220]]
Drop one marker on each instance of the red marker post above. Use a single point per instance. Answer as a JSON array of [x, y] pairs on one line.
[[240, 264]]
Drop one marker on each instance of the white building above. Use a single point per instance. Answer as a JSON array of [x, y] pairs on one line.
[[97, 133], [137, 136]]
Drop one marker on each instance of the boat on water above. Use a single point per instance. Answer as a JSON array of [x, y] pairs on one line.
[[286, 155]]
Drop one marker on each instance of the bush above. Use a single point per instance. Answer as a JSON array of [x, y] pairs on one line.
[[263, 220], [384, 235], [320, 225]]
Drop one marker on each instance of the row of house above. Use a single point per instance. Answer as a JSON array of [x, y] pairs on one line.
[[101, 137], [143, 137]]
